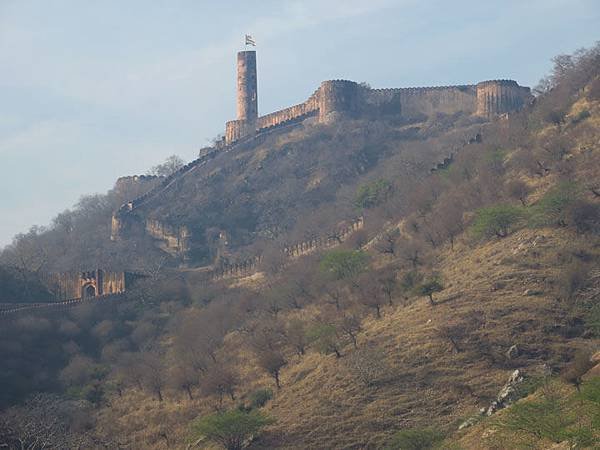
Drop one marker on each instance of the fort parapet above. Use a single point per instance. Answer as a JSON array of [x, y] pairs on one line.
[[336, 99]]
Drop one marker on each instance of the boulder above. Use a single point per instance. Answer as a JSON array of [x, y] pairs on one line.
[[508, 393]]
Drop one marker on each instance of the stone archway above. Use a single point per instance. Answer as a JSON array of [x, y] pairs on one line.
[[88, 291]]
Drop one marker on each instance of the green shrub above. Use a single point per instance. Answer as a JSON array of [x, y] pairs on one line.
[[343, 264], [592, 319], [260, 397], [410, 280], [590, 391], [325, 338], [553, 208], [372, 194], [543, 419], [585, 114], [430, 287], [498, 220], [415, 439], [231, 429]]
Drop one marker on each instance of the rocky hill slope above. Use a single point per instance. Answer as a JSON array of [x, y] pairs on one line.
[[395, 337]]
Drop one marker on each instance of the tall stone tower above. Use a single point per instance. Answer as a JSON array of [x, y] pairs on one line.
[[247, 99], [247, 93]]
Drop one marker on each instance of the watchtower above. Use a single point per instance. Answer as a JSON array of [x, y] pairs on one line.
[[247, 99], [247, 93]]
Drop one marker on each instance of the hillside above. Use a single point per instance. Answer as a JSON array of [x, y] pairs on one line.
[[396, 333]]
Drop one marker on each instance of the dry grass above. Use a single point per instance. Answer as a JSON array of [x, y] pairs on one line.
[[322, 405], [503, 291]]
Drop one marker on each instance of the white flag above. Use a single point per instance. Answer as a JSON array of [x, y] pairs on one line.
[[250, 40]]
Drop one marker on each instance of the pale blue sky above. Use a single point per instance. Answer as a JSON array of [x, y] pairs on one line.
[[92, 90]]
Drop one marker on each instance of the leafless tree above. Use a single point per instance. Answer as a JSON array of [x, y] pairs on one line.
[[412, 250], [577, 368], [335, 292], [153, 373], [171, 165], [519, 190], [370, 294], [43, 421], [350, 325], [272, 361], [184, 377], [220, 380], [389, 284], [387, 242], [295, 335]]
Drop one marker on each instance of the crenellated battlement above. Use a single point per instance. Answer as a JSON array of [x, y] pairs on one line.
[[339, 98]]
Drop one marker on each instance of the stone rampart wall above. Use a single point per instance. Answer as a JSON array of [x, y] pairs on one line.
[[56, 307], [70, 285], [319, 243], [500, 96], [415, 103], [288, 114], [236, 269]]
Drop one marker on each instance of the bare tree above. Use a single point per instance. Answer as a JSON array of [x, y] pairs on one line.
[[184, 377], [220, 380], [519, 190], [295, 335], [449, 218], [335, 292], [171, 165], [370, 294], [387, 242], [153, 373], [43, 421], [577, 368], [388, 282], [412, 250], [272, 361], [350, 325]]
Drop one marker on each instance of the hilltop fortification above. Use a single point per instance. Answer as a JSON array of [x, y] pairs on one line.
[[342, 98], [332, 101]]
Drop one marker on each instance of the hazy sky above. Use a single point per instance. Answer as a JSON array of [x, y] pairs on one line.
[[92, 90]]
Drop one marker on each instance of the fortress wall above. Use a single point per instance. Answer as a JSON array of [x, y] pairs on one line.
[[69, 285], [338, 98], [64, 286], [500, 96], [237, 129], [287, 114], [113, 282], [333, 240], [414, 103], [237, 269], [136, 185]]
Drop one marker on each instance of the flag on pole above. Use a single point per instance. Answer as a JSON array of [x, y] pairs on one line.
[[250, 40]]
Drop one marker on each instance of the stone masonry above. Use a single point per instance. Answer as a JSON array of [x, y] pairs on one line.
[[342, 98]]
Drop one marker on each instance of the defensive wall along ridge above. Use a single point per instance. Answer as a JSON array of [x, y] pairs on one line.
[[332, 100]]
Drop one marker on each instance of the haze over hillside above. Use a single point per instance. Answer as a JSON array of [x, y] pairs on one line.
[[408, 267]]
